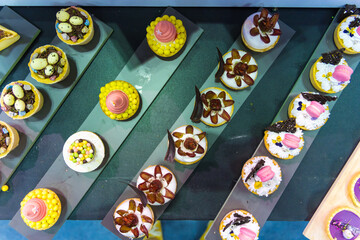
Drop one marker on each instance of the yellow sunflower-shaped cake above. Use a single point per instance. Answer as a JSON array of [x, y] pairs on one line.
[[9, 139], [7, 37]]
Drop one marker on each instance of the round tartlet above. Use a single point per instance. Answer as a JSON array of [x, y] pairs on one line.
[[274, 142], [321, 77], [348, 37], [158, 183], [168, 38], [222, 114], [240, 70], [229, 231], [9, 137], [355, 190], [340, 218], [48, 200], [56, 58], [119, 100], [81, 161], [255, 184], [30, 109], [7, 37], [140, 218], [84, 27], [255, 41], [190, 144]]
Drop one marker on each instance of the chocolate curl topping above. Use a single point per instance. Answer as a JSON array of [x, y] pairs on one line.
[[241, 219], [257, 167], [221, 69], [284, 126], [318, 97], [355, 23], [198, 108], [348, 11], [140, 193], [170, 153], [333, 57]]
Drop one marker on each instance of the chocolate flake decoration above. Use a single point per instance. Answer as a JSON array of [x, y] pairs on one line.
[[221, 69], [283, 126], [198, 108], [170, 153], [333, 57], [318, 98], [355, 23], [348, 11], [257, 167], [240, 220]]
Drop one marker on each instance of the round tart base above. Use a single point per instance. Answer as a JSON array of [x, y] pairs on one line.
[[339, 42], [14, 139], [336, 211], [354, 184]]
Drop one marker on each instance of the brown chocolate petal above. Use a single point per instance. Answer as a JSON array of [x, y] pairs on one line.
[[214, 118], [178, 134], [146, 219], [210, 95], [169, 194], [145, 175], [254, 31], [235, 54], [264, 13], [181, 152], [178, 143], [276, 32], [140, 208], [252, 68], [144, 230], [225, 116], [132, 205], [191, 154], [168, 177], [256, 20], [206, 113], [246, 58], [229, 61], [238, 81], [274, 19], [200, 150], [119, 221], [228, 67], [228, 103], [230, 75], [157, 170], [143, 186], [121, 212], [189, 129], [201, 135], [265, 38], [248, 80], [124, 229], [160, 198], [204, 100], [222, 95], [135, 231], [151, 197]]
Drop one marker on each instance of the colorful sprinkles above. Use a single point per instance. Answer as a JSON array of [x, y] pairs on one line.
[[81, 152]]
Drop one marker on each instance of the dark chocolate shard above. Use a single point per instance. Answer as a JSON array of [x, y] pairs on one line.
[[348, 11], [355, 23], [221, 69], [257, 167], [333, 57], [318, 98], [198, 108], [288, 125], [170, 153], [227, 226], [240, 220], [140, 193]]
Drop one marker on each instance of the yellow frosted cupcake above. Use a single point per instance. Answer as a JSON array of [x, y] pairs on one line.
[[239, 225], [49, 64], [21, 100], [119, 100], [166, 36], [9, 139], [74, 26], [7, 37], [343, 224], [40, 209], [261, 175], [347, 35]]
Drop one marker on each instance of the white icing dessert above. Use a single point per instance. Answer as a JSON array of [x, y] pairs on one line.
[[347, 34]]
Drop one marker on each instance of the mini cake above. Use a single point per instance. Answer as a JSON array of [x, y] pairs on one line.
[[344, 224], [119, 100], [239, 69], [84, 151], [74, 26], [330, 73], [283, 139], [21, 99], [49, 64], [190, 144], [9, 139], [347, 35], [310, 110], [355, 190], [7, 37], [239, 225], [158, 183], [218, 106], [40, 209], [261, 175], [132, 219], [261, 31], [166, 36]]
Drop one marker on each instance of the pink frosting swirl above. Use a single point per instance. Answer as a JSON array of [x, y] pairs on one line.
[[165, 31], [117, 101], [34, 209]]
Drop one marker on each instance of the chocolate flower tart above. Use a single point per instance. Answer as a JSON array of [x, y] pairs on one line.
[[74, 26], [7, 37], [9, 139], [49, 64], [132, 219], [158, 183], [21, 99], [218, 106], [344, 224], [190, 144]]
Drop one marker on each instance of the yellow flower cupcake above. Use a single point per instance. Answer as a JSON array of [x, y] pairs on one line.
[[21, 100], [49, 64], [119, 100], [9, 139], [7, 37], [347, 35], [74, 26], [40, 209], [343, 224], [283, 139], [166, 36], [239, 225], [261, 175]]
